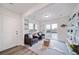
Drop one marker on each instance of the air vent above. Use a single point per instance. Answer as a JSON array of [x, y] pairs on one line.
[[11, 3]]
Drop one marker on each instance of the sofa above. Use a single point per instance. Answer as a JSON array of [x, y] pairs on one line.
[[32, 39], [29, 40]]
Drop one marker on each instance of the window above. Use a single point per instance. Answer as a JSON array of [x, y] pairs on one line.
[[36, 27], [33, 26], [30, 26], [51, 26], [48, 26], [54, 26]]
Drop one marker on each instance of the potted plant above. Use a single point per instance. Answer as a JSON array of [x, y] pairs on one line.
[[75, 48]]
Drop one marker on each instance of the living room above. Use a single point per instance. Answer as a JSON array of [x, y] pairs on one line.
[[36, 28]]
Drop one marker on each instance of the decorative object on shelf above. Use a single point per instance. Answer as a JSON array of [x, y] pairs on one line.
[[78, 23], [63, 25], [71, 38], [74, 15], [70, 19], [78, 14], [71, 31]]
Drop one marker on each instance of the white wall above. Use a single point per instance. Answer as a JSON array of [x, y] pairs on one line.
[[62, 32], [10, 23], [1, 47]]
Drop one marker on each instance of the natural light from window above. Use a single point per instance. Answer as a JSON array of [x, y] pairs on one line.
[[30, 26], [36, 27], [51, 26], [48, 26], [54, 26]]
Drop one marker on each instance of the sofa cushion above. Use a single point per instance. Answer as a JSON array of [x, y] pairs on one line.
[[30, 36]]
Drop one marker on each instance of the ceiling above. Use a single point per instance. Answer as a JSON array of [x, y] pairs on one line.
[[49, 11], [19, 7], [53, 11]]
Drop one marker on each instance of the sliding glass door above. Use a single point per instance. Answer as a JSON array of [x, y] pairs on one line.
[[51, 31]]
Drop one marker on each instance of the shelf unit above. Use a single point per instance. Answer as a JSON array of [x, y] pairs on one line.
[[26, 25], [73, 28], [73, 31]]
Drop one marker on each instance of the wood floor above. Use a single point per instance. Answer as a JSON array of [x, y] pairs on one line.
[[18, 50]]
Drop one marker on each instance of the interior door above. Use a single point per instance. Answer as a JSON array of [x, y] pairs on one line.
[[9, 32]]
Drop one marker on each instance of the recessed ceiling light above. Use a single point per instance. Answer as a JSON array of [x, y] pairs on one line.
[[46, 16]]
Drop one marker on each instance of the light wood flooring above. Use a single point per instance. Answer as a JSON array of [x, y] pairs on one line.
[[18, 50]]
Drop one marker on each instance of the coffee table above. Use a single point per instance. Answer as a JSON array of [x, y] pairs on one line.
[[51, 50]]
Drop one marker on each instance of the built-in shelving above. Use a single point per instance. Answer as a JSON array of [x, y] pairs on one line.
[[73, 30], [26, 25]]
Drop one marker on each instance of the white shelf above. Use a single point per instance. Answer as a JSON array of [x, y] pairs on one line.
[[73, 25]]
